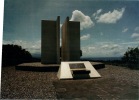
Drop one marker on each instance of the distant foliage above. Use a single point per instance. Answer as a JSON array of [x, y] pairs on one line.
[[14, 54], [131, 58]]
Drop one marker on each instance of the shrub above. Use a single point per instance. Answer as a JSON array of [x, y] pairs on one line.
[[14, 54], [131, 58]]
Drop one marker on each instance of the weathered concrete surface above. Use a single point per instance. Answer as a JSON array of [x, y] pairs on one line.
[[66, 73], [70, 40], [58, 39], [65, 42], [50, 42]]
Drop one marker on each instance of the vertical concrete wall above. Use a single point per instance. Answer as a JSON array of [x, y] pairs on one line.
[[50, 41], [65, 41], [70, 41], [74, 40], [50, 52], [58, 39]]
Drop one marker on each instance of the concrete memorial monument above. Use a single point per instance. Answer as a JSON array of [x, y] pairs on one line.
[[70, 51], [85, 69], [50, 41], [70, 40]]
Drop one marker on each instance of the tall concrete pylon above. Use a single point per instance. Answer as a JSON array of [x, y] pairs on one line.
[[70, 40], [50, 41]]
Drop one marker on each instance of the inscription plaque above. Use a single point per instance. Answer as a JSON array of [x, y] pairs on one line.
[[77, 66]]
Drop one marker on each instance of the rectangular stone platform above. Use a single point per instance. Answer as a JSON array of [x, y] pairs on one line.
[[37, 66], [97, 65]]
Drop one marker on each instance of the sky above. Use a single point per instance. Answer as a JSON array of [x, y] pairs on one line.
[[107, 28]]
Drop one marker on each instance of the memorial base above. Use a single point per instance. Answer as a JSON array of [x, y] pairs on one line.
[[83, 69]]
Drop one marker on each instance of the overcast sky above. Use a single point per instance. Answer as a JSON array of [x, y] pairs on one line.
[[108, 28]]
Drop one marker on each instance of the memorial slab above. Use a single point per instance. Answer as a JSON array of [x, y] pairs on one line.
[[50, 42], [70, 40], [67, 69]]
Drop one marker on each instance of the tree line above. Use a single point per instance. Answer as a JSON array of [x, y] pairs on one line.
[[131, 58], [14, 54]]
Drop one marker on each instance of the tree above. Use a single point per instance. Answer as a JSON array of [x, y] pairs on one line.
[[14, 54], [131, 58]]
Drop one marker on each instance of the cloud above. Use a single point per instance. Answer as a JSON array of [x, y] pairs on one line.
[[97, 13], [111, 17], [107, 49], [125, 30], [103, 50], [91, 48], [85, 37], [105, 46], [85, 21], [135, 36], [101, 34], [110, 46], [32, 47], [129, 43], [115, 46], [137, 29]]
